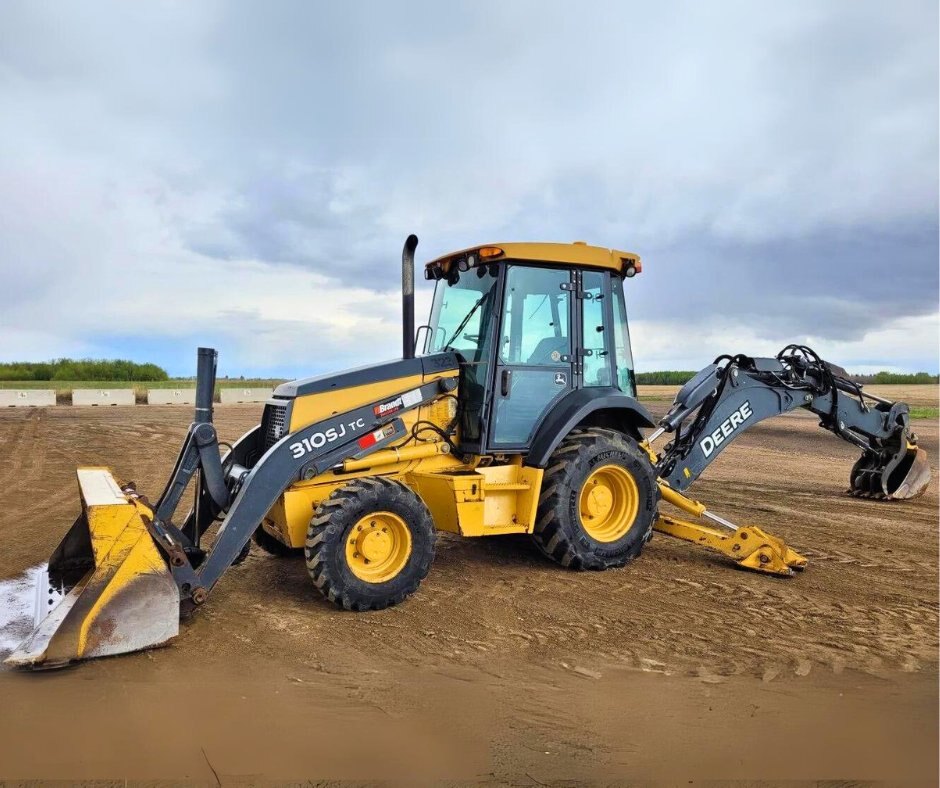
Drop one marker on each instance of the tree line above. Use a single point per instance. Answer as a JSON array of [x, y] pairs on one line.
[[119, 369], [677, 378], [81, 369]]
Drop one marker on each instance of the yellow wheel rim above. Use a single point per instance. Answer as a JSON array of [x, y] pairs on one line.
[[608, 503], [378, 547]]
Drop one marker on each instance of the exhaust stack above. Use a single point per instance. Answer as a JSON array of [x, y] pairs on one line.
[[408, 296], [206, 361]]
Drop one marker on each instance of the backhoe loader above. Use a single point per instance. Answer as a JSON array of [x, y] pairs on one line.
[[516, 415]]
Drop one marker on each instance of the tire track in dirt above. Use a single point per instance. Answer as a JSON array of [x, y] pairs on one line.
[[868, 600], [17, 447]]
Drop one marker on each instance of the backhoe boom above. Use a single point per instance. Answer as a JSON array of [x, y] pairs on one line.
[[736, 392]]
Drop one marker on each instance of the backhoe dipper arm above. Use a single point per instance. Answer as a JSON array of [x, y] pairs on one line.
[[736, 392]]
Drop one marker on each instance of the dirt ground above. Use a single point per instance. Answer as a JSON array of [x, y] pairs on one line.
[[503, 668]]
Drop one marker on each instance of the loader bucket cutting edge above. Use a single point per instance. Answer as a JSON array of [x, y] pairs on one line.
[[118, 595]]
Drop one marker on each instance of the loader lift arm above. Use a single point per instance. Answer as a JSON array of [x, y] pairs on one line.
[[246, 494], [736, 392], [125, 572]]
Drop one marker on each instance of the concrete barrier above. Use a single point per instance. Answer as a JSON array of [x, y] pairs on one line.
[[171, 396], [103, 397], [231, 396], [27, 398]]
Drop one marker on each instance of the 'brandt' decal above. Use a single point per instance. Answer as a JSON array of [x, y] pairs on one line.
[[406, 400]]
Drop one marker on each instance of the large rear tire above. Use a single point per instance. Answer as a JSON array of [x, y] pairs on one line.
[[370, 544], [598, 501]]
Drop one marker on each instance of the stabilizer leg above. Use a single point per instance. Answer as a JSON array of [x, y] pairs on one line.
[[748, 546]]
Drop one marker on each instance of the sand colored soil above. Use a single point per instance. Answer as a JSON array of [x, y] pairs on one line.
[[504, 668]]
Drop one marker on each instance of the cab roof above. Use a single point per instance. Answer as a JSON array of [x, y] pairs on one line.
[[578, 253]]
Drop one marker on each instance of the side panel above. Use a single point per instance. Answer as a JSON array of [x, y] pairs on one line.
[[497, 499], [321, 398], [311, 408], [455, 500], [605, 406], [511, 495]]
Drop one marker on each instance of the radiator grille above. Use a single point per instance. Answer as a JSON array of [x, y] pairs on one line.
[[272, 423]]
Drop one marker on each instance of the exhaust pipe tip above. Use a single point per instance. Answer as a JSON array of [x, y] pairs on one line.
[[408, 296], [207, 359]]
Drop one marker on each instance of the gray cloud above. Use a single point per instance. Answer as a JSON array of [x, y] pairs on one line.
[[776, 168]]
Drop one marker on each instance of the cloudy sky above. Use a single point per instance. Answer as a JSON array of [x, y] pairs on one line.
[[243, 174]]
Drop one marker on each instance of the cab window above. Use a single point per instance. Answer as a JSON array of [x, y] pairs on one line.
[[594, 330], [626, 381], [535, 323], [460, 312]]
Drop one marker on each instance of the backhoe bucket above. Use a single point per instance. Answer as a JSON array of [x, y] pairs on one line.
[[906, 474], [107, 589]]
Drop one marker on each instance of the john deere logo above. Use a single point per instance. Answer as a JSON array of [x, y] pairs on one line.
[[711, 442], [560, 378]]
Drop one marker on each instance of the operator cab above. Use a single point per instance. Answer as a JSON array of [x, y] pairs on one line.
[[530, 323]]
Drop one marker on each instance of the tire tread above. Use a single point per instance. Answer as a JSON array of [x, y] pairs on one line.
[[340, 510], [555, 535]]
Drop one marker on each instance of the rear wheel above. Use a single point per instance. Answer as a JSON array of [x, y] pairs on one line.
[[370, 544], [598, 501]]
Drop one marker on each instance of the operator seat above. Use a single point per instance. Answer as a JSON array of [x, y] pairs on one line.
[[544, 349]]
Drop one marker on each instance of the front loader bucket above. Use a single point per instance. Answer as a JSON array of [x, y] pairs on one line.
[[905, 474], [107, 589]]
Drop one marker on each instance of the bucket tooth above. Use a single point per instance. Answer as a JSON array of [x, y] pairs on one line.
[[119, 595], [900, 476]]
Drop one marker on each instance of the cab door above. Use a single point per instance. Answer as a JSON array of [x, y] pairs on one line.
[[535, 364]]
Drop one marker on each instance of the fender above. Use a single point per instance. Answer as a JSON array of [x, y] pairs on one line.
[[600, 406]]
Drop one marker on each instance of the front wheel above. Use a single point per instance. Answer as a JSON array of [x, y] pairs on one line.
[[598, 501], [370, 544]]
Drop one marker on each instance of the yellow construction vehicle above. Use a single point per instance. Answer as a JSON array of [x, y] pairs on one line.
[[518, 414]]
